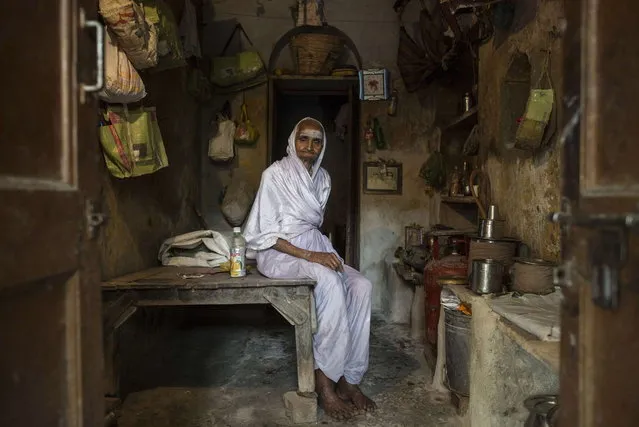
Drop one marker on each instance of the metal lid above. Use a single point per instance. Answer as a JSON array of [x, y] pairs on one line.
[[541, 404], [534, 261], [476, 238], [487, 261], [452, 280]]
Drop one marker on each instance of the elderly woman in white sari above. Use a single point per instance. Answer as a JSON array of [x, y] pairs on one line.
[[283, 229]]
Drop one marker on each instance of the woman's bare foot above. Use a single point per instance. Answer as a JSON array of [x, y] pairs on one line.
[[329, 400], [352, 393]]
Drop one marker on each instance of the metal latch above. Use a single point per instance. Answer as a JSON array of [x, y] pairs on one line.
[[608, 251], [94, 219]]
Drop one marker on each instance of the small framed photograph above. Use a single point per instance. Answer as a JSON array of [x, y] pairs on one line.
[[374, 84], [382, 178], [413, 235]]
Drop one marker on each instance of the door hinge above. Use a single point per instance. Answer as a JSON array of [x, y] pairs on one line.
[[94, 218], [608, 252]]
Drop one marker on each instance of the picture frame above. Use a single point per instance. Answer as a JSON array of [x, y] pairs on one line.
[[413, 235], [380, 178], [374, 84]]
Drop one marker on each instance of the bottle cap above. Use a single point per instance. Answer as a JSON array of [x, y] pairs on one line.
[[237, 230]]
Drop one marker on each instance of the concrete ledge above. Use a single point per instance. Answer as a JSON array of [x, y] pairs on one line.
[[506, 366], [545, 351]]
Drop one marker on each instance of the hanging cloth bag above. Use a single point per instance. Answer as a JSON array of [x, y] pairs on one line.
[[241, 71], [131, 141], [122, 83], [188, 31], [221, 145], [133, 33], [532, 130], [245, 132]]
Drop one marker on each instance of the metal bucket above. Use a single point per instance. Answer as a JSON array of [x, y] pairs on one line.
[[457, 351]]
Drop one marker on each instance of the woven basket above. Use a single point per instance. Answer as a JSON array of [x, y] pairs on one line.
[[316, 53]]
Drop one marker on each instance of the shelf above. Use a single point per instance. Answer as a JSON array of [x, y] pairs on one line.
[[467, 200], [298, 83], [468, 119]]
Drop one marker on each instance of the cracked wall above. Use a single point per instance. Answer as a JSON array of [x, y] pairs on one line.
[[526, 188]]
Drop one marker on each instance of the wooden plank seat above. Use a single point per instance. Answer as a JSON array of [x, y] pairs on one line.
[[191, 286]]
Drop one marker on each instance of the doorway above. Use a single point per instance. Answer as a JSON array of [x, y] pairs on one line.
[[336, 106]]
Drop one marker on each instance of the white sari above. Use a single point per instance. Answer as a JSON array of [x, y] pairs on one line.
[[290, 205]]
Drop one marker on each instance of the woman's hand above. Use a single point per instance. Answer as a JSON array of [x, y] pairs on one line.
[[327, 259]]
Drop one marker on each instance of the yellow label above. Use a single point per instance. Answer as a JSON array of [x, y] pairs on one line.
[[237, 264]]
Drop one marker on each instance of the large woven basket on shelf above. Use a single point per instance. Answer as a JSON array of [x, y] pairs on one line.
[[316, 54]]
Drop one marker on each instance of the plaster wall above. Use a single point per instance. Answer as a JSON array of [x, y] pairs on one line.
[[372, 25], [525, 187], [144, 211]]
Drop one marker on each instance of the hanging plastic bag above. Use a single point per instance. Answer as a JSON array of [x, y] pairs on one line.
[[533, 127], [122, 83], [245, 132], [170, 50], [221, 145], [135, 36], [131, 141]]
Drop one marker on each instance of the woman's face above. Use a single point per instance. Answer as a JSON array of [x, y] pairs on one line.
[[309, 141]]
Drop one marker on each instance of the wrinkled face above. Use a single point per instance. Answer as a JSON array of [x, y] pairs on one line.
[[309, 141]]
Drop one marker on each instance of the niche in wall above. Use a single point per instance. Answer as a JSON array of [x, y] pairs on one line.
[[515, 90]]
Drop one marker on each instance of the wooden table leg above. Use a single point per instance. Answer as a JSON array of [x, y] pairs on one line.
[[297, 309], [302, 405], [305, 361]]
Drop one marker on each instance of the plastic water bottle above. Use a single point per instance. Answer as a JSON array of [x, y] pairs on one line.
[[238, 254]]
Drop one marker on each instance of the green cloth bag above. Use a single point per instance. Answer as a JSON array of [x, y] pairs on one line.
[[240, 71], [131, 141]]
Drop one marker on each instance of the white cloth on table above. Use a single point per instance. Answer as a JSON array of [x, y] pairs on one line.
[[202, 248], [290, 205]]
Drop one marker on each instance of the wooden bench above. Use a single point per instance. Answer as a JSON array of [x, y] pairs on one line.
[[191, 286]]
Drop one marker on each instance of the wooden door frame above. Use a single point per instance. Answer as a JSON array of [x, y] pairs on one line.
[[598, 344], [342, 87]]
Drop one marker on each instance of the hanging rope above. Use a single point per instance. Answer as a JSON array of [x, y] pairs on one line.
[[502, 251], [532, 278]]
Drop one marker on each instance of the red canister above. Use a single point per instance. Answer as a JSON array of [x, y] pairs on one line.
[[454, 264]]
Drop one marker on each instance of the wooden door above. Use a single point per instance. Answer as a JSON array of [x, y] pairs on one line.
[[50, 337], [600, 275], [354, 158]]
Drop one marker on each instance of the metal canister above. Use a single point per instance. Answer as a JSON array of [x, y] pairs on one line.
[[491, 228], [487, 276]]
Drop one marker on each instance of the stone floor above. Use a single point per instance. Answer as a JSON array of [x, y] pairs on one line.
[[230, 367]]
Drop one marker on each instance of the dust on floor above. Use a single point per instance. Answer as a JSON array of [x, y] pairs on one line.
[[234, 372]]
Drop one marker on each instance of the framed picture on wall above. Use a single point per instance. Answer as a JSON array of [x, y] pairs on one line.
[[374, 84], [380, 178]]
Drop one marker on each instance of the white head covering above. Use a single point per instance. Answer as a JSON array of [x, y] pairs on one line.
[[292, 151]]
